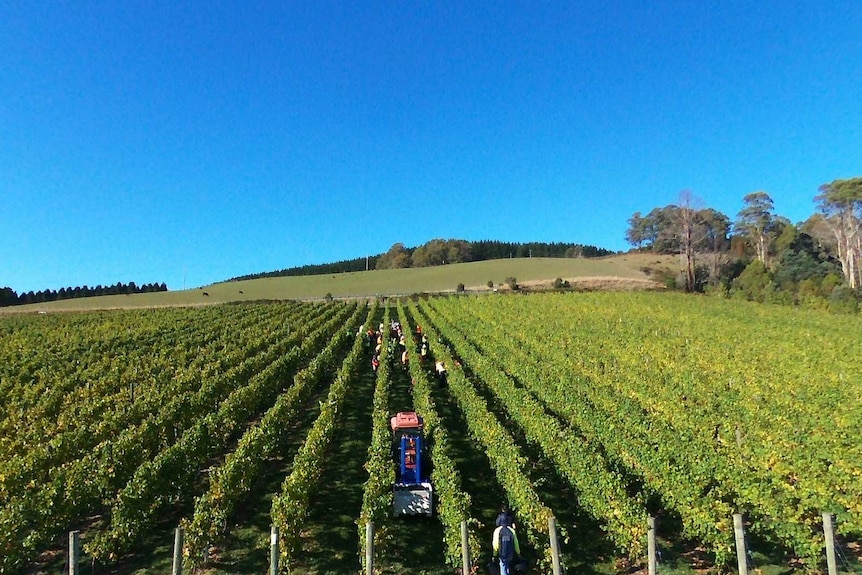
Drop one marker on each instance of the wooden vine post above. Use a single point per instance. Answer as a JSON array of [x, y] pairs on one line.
[[74, 551], [465, 549], [273, 550], [651, 555], [741, 551], [555, 545], [177, 568], [369, 548], [829, 536]]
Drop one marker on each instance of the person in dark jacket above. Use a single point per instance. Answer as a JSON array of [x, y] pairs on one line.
[[506, 548]]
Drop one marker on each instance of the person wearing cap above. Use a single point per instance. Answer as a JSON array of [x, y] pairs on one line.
[[506, 516]]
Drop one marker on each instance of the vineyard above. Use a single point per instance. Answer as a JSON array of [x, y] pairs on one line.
[[597, 410]]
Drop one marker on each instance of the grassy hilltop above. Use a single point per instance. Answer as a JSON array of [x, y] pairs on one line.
[[536, 272]]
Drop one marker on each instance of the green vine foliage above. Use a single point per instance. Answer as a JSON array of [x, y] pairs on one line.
[[377, 497], [231, 482], [707, 427], [695, 407], [452, 503], [58, 494], [505, 456], [171, 475], [601, 491], [290, 507]]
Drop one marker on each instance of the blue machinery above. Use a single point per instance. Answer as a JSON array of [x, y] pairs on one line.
[[413, 494]]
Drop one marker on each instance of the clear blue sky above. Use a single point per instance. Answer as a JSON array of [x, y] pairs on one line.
[[162, 141]]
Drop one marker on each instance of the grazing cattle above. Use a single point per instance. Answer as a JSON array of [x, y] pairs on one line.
[[240, 291], [206, 294]]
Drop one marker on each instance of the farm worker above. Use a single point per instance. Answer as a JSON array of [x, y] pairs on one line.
[[506, 547], [404, 357], [424, 351], [506, 516], [375, 363], [441, 372]]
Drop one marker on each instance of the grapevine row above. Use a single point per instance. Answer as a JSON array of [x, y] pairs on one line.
[[598, 418], [290, 507], [68, 370], [167, 410], [232, 481], [30, 520], [171, 475], [601, 492], [377, 499], [452, 503], [696, 474], [45, 450], [503, 453]]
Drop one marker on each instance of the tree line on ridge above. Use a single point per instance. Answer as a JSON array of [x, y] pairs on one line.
[[441, 252], [9, 297]]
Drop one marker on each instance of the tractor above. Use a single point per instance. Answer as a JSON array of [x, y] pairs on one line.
[[413, 493]]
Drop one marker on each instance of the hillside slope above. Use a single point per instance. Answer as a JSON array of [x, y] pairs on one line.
[[474, 275]]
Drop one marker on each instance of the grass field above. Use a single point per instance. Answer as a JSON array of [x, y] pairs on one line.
[[475, 277]]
